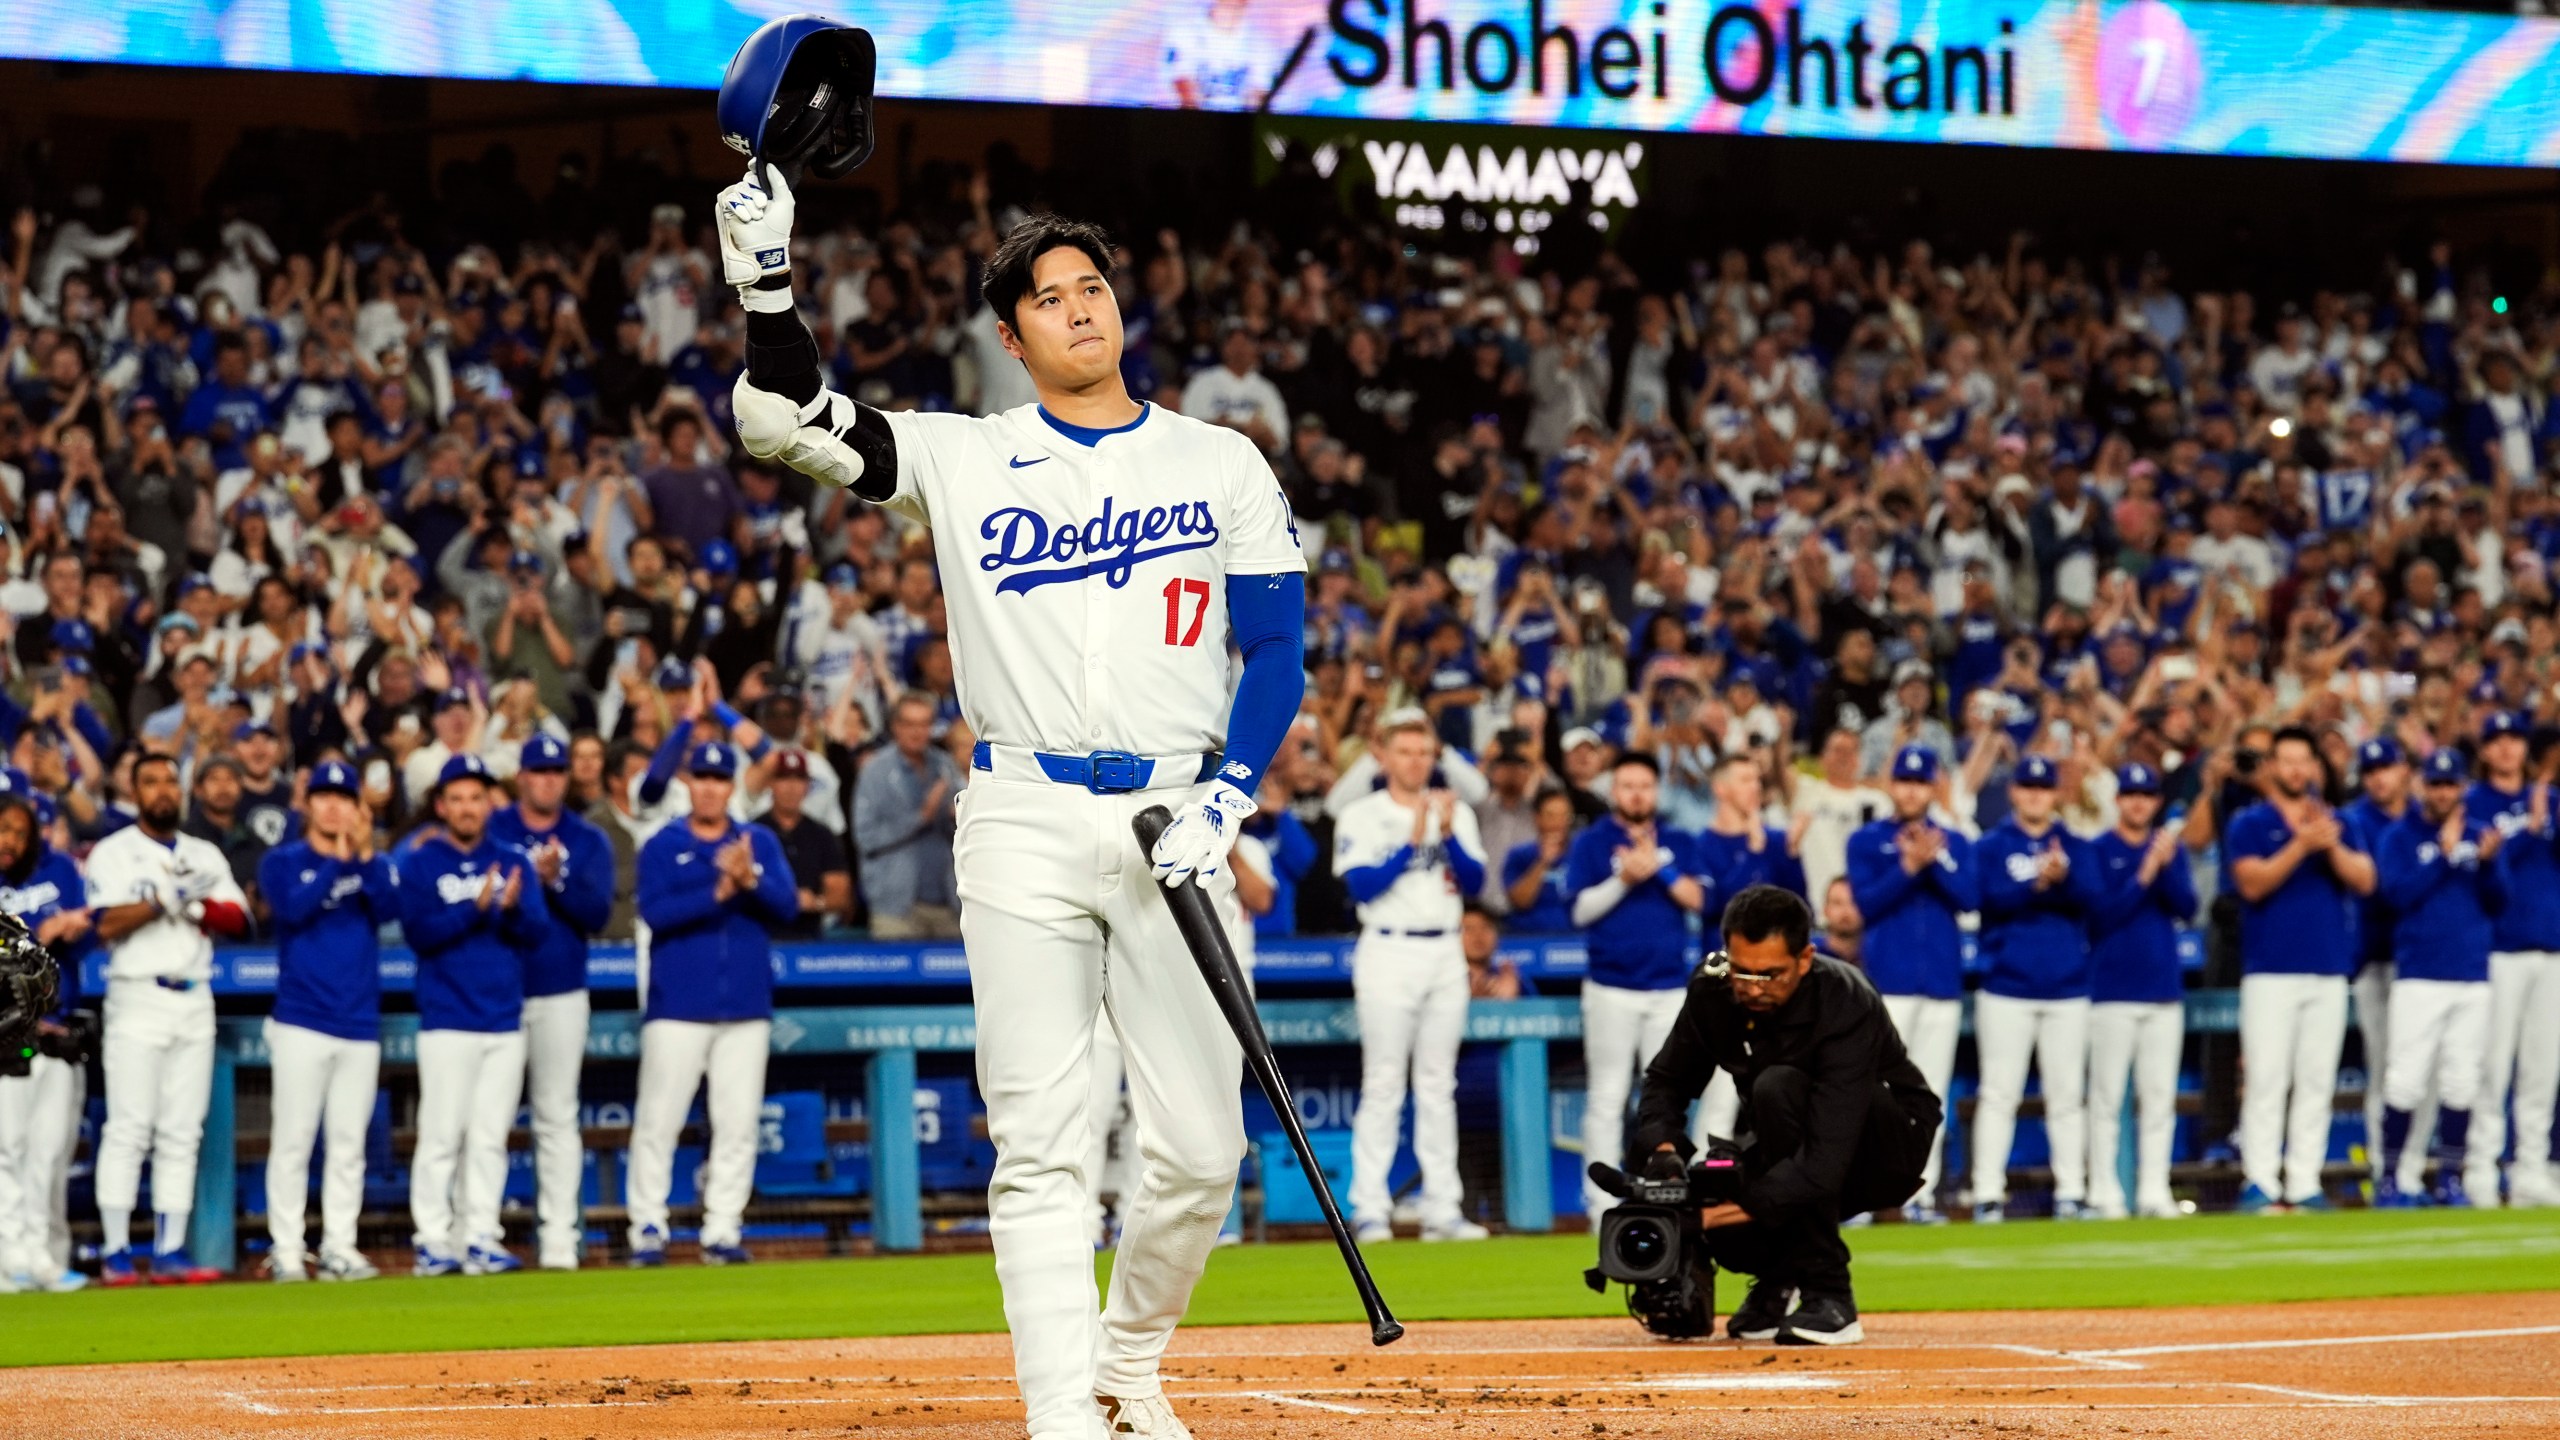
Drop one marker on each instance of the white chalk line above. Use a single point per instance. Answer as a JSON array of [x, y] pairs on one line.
[[2315, 1343]]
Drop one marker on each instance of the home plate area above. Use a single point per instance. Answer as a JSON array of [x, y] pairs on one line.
[[2435, 1366]]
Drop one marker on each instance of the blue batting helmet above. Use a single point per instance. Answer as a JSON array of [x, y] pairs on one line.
[[798, 95]]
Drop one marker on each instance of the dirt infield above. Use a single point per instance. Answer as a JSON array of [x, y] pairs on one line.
[[2435, 1366]]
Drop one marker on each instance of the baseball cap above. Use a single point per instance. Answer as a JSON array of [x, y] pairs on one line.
[[543, 752], [2378, 752], [843, 575], [1916, 762], [190, 584], [712, 758], [334, 777], [248, 728], [305, 650], [524, 562], [1580, 735], [75, 663], [463, 767], [2137, 779], [790, 765], [1910, 670], [74, 635], [2035, 772], [449, 699], [719, 557], [2500, 723], [674, 674], [181, 620], [2446, 767]]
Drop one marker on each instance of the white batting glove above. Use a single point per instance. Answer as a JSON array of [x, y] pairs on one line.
[[1195, 844], [755, 228]]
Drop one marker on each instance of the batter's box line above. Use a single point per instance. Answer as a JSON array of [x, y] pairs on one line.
[[2392, 1401], [2309, 1342]]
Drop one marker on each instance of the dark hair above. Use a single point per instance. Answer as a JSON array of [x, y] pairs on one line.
[[2295, 732], [1761, 911], [1008, 277], [154, 758], [1640, 760]]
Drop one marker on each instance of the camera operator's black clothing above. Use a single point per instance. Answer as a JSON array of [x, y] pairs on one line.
[[1835, 1118]]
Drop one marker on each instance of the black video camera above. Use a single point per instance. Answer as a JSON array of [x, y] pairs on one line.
[[1650, 1242]]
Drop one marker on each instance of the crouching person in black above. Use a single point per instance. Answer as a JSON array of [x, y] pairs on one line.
[[1835, 1118]]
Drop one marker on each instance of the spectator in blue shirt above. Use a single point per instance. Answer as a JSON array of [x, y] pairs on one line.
[[2137, 1018], [226, 409], [1533, 874], [2299, 876]]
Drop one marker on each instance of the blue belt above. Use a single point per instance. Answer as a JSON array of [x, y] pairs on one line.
[[1104, 772], [172, 982], [1411, 934]]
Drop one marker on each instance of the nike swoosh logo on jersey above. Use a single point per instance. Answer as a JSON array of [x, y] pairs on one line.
[[1018, 463]]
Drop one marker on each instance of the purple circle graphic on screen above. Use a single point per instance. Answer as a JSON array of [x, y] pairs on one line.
[[2150, 82]]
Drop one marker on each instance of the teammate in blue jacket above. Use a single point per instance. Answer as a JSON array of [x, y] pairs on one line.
[[2383, 772], [710, 890], [1738, 850], [2039, 885], [568, 898], [2445, 875], [330, 893], [2137, 1013], [462, 907], [1912, 877], [2524, 974], [40, 1110]]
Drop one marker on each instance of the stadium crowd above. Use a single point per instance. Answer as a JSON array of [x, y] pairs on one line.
[[1973, 545]]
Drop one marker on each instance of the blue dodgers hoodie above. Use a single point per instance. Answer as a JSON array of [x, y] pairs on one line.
[[2035, 943], [1913, 946], [2133, 927], [53, 885], [711, 960], [328, 917], [470, 960], [2531, 920], [569, 915], [2446, 904]]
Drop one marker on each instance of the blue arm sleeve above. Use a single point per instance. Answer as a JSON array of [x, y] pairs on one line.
[[585, 898], [1368, 882], [662, 766], [777, 891], [1963, 885], [1297, 850], [2175, 888], [1269, 616], [1465, 867]]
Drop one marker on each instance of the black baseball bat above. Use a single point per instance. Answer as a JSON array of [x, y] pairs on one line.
[[1207, 941]]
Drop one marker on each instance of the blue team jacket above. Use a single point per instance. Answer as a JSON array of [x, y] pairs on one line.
[[328, 915], [2035, 943], [2447, 904], [1734, 868], [1293, 854], [2531, 920], [1913, 946], [1643, 942], [2308, 925], [52, 885], [2133, 928], [711, 960], [2365, 822], [557, 962], [470, 960], [1553, 912]]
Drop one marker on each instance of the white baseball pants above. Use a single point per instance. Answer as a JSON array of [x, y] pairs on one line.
[[1411, 996], [321, 1081], [555, 1043], [468, 1086], [2292, 1030], [2372, 989], [1622, 1030], [675, 1058], [2140, 1042], [158, 1057], [39, 1128], [1929, 1030], [1061, 917], [2007, 1032], [2524, 1062], [2439, 1037]]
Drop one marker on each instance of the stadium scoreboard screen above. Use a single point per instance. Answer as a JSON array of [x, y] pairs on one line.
[[1510, 183], [2140, 75]]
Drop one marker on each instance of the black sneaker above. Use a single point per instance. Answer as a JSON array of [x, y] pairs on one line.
[[1762, 1312], [1822, 1320]]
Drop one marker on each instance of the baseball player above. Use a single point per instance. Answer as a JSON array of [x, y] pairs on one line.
[[570, 865], [2137, 1013], [1097, 556], [40, 1110], [159, 898], [331, 893], [2296, 872], [1410, 856], [2383, 771], [1912, 877], [2524, 975], [1737, 849], [462, 905], [1632, 884], [2445, 873], [2039, 884], [710, 889]]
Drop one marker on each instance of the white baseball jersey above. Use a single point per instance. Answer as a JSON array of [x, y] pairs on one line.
[[130, 866], [1425, 896], [1086, 584]]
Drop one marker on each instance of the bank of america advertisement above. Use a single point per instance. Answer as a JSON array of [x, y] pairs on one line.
[[2220, 79]]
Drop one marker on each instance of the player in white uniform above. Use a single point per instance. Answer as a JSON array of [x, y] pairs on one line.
[[159, 898], [1094, 554], [1410, 856]]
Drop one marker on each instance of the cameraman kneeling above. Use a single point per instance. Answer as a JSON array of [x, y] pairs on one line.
[[1835, 1118]]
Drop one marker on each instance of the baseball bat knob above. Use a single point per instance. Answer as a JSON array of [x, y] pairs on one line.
[[1150, 825], [1386, 1332]]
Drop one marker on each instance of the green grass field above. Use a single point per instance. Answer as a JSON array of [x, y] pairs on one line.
[[2203, 1261]]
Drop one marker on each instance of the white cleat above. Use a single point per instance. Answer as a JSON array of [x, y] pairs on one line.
[[1373, 1232], [1147, 1415], [287, 1269], [1460, 1229], [346, 1265]]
